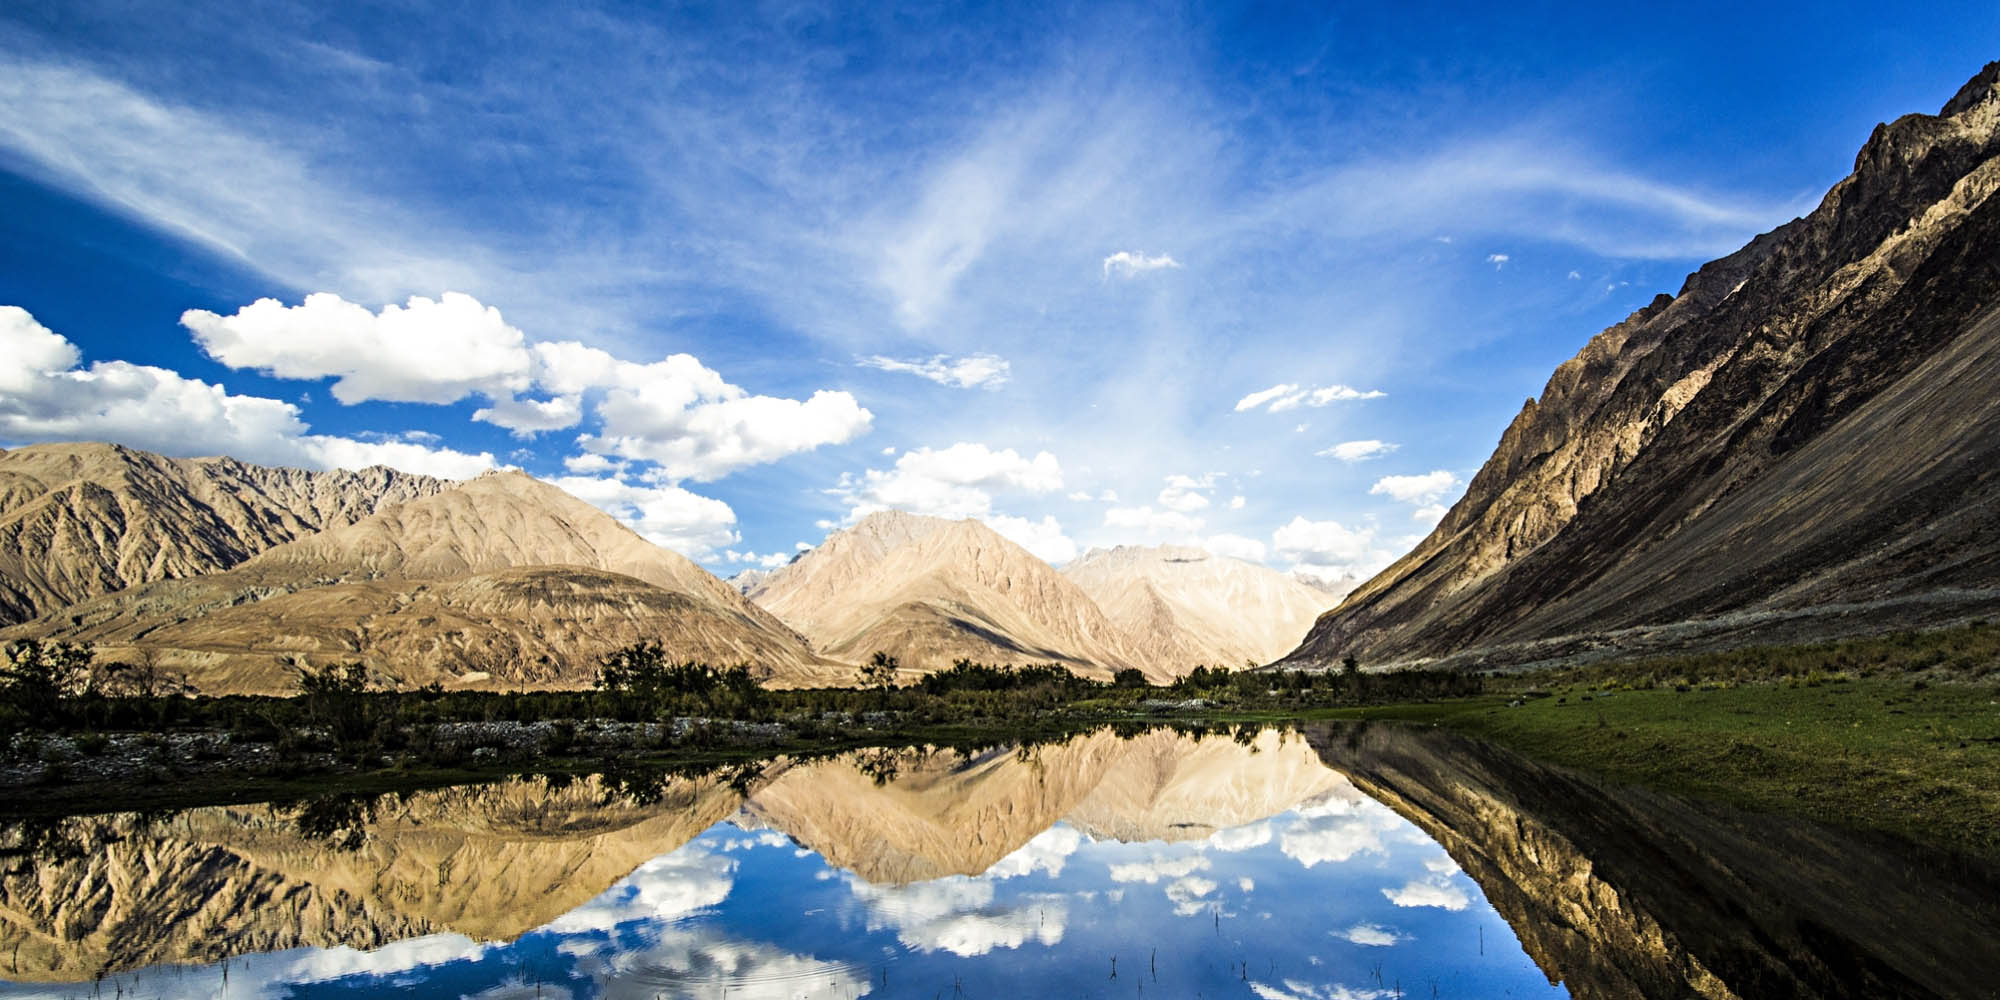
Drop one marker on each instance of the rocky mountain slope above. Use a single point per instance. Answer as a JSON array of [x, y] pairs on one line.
[[501, 581], [929, 591], [1804, 441], [1183, 607], [80, 520]]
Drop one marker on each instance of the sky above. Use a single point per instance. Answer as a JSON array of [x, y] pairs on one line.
[[1269, 279]]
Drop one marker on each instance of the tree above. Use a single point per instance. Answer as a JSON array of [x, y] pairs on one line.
[[878, 672], [39, 677], [1349, 665], [1130, 677], [334, 696]]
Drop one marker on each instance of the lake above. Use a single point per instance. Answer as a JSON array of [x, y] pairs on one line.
[[1334, 863]]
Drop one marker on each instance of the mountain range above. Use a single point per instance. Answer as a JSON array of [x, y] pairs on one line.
[[239, 576], [1803, 442]]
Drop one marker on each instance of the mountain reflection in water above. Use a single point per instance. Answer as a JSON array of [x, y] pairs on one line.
[[1097, 866]]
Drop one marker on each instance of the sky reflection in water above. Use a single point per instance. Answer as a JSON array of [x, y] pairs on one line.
[[1335, 899]]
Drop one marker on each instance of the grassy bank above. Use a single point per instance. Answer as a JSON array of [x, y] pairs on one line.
[[1900, 734]]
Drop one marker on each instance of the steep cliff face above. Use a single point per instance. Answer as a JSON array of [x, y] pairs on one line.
[[929, 591], [502, 581], [1809, 423], [1622, 893], [1183, 607], [80, 520]]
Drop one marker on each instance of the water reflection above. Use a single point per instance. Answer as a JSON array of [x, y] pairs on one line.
[[1316, 867]]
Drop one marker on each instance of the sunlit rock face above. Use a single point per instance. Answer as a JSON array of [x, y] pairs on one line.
[[80, 520], [499, 581], [929, 591], [1185, 607], [1797, 444], [1623, 893]]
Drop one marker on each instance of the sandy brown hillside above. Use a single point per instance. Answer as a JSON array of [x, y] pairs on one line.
[[929, 591], [1184, 607], [79, 520], [502, 581], [1805, 441]]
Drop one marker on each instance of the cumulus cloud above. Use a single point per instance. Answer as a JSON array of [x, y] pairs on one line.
[[1185, 493], [1044, 538], [1371, 935], [958, 481], [668, 887], [989, 371], [770, 561], [1127, 264], [1498, 260], [703, 956], [1153, 525], [1358, 451], [1280, 398], [430, 351], [46, 396], [676, 412], [958, 915], [1429, 514], [1047, 851], [668, 516], [1236, 547], [1329, 550], [1189, 894], [1158, 868], [1427, 488], [1434, 892]]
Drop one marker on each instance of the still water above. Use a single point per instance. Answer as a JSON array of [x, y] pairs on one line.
[[1335, 864]]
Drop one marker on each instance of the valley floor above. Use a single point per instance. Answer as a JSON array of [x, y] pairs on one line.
[[1899, 735]]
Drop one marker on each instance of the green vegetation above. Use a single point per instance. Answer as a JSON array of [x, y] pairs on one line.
[[1899, 734]]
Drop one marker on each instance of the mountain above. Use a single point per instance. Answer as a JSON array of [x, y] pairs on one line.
[[500, 581], [1804, 442], [929, 591], [80, 520], [1184, 607]]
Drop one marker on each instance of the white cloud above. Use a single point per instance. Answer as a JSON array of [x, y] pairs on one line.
[[1429, 514], [1280, 398], [668, 887], [1329, 839], [1184, 493], [1158, 868], [1371, 935], [668, 516], [988, 371], [958, 481], [1236, 547], [1081, 496], [1047, 851], [1434, 892], [1152, 525], [707, 965], [1498, 260], [431, 351], [1575, 276], [1237, 502], [1262, 396], [957, 915], [1127, 264], [1427, 488], [45, 396], [1329, 550], [1044, 538], [1358, 451], [709, 440], [770, 561], [1189, 894]]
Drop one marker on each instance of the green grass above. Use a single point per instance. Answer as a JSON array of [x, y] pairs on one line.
[[1919, 760]]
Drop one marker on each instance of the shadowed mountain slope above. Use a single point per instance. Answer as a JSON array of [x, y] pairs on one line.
[[1806, 437]]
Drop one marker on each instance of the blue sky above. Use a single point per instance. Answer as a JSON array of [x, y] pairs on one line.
[[743, 274]]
